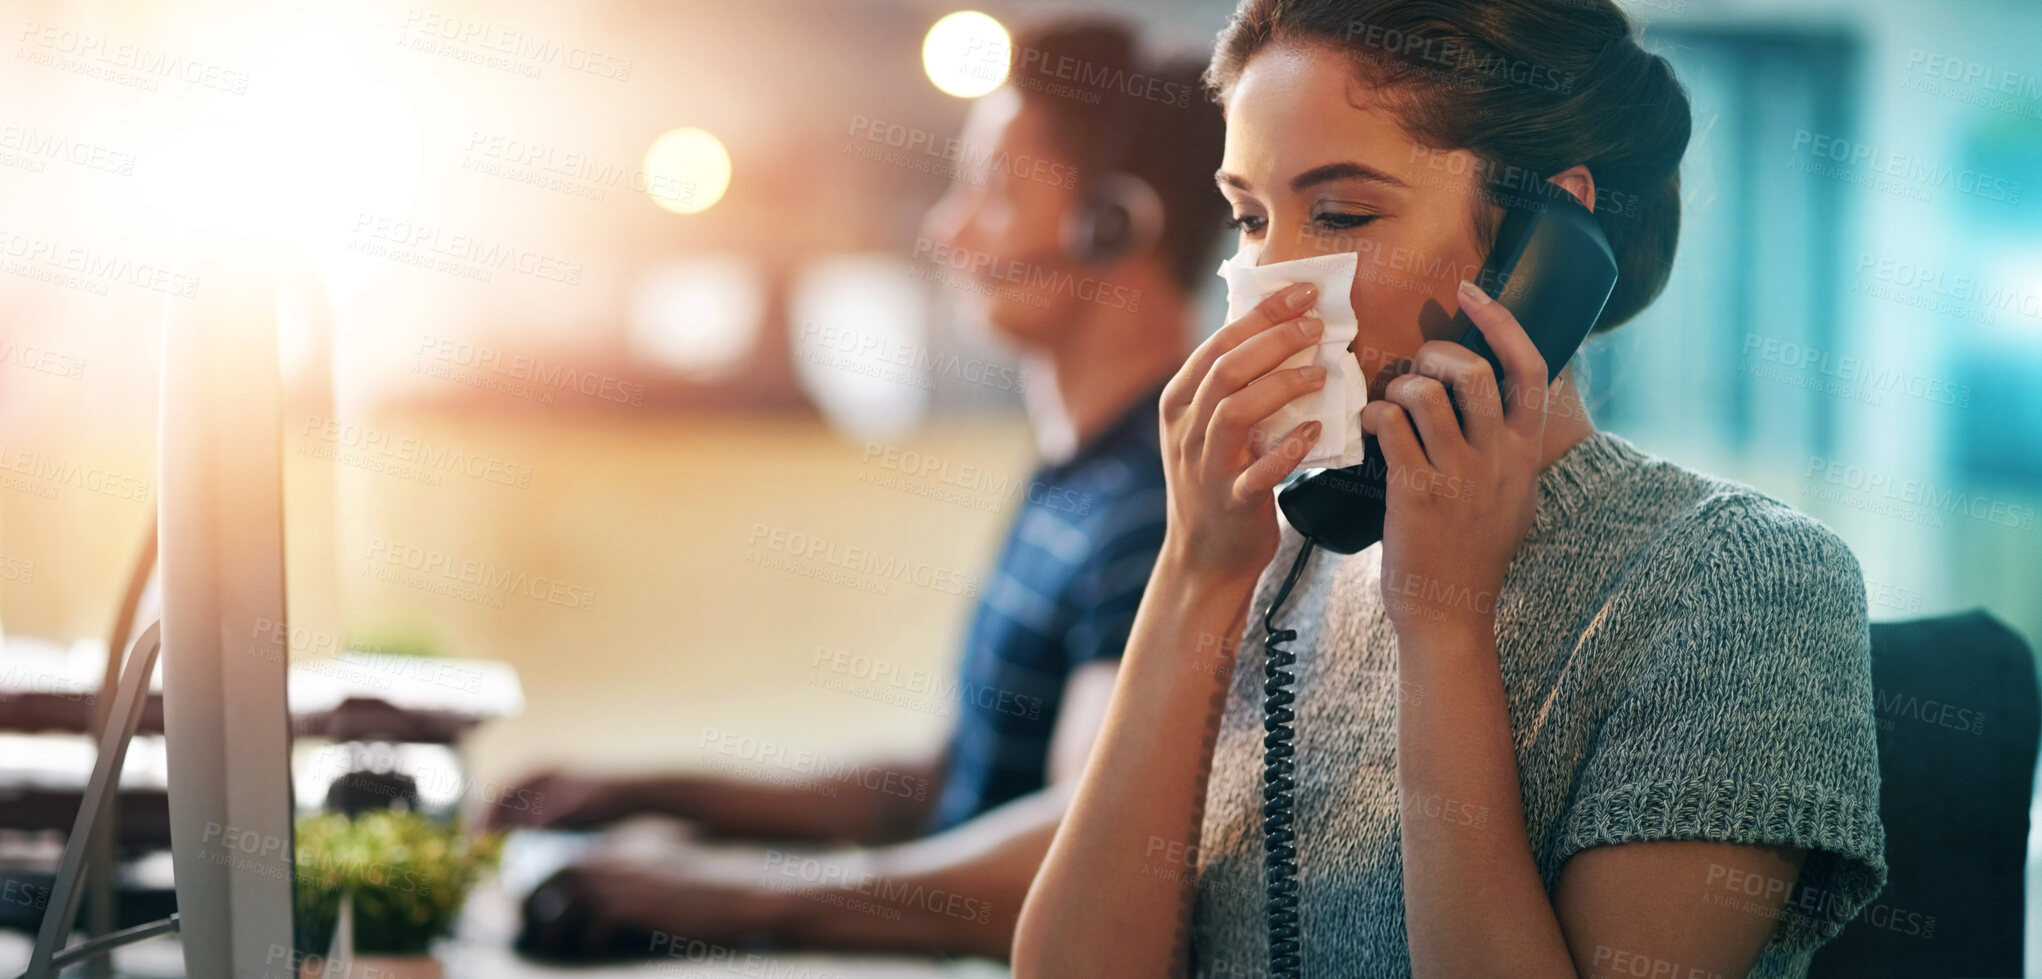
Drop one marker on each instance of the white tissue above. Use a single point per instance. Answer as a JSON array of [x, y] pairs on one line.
[[1337, 406]]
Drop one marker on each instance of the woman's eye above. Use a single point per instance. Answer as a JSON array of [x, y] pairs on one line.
[[1250, 223], [1336, 221]]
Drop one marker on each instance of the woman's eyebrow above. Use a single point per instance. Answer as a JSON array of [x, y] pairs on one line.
[[1342, 171], [1319, 175]]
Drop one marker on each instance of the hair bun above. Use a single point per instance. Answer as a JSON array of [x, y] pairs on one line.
[[1529, 85], [1635, 127], [1645, 114]]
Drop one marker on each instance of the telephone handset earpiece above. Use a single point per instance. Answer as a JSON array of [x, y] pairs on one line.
[[1553, 269]]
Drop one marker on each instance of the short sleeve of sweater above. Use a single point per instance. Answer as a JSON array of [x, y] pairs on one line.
[[1748, 716]]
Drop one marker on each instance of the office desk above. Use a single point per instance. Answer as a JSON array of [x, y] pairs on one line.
[[482, 951], [481, 947], [477, 956]]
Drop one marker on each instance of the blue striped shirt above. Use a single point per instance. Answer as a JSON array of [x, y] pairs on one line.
[[1063, 594]]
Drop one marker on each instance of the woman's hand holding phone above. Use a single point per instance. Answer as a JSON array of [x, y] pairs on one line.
[[1461, 491], [1222, 515]]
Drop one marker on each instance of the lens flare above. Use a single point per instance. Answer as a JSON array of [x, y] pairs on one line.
[[966, 54], [686, 170]]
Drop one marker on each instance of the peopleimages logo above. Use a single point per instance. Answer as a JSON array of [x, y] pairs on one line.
[[825, 553], [1028, 275], [521, 45], [579, 173], [941, 686], [1080, 79], [533, 370], [725, 961], [509, 581], [41, 145], [470, 255], [1974, 73], [920, 149], [416, 451], [428, 780], [829, 874], [49, 470], [49, 257], [813, 764], [1929, 711], [270, 855], [25, 894], [34, 358], [1456, 62], [1927, 497], [972, 483], [1913, 169], [84, 50], [1973, 290], [899, 361], [1857, 371]]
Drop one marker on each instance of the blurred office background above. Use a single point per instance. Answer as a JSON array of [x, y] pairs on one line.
[[677, 310]]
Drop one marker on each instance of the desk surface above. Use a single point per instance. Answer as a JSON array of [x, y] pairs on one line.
[[160, 959], [480, 948], [482, 951], [481, 945]]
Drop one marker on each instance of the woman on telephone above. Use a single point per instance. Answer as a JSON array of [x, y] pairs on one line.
[[1582, 711]]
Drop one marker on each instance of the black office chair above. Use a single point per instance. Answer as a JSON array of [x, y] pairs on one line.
[[1957, 704]]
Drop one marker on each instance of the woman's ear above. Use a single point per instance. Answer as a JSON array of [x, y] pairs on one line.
[[1578, 181]]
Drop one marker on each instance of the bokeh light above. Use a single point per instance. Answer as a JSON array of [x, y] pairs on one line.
[[860, 333], [686, 170], [966, 54], [697, 314]]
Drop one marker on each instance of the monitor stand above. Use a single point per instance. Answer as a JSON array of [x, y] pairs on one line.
[[50, 955]]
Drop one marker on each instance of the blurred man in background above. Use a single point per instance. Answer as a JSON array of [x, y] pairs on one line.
[[1085, 219]]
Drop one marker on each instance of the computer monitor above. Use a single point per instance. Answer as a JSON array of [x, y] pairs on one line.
[[226, 723]]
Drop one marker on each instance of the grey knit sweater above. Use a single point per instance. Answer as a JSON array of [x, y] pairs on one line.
[[1684, 658]]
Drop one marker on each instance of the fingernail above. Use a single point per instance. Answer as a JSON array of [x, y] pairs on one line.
[[1303, 298], [1472, 294], [1312, 372], [1312, 430], [1312, 325]]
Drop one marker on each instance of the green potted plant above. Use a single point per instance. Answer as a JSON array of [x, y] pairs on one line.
[[401, 638], [406, 874]]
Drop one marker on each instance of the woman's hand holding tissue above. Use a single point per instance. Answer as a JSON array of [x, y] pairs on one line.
[[1222, 515], [1461, 492], [1336, 405]]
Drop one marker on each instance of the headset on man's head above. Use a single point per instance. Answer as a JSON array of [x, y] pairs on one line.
[[1118, 213]]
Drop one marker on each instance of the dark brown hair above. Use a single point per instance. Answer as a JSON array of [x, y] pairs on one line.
[[1109, 107], [1529, 87]]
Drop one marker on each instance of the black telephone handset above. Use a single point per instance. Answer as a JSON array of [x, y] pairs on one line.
[[1553, 269]]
